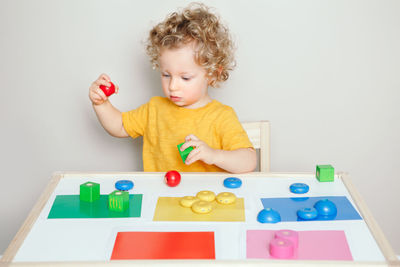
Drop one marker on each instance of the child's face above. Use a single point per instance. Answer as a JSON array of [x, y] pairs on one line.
[[183, 81]]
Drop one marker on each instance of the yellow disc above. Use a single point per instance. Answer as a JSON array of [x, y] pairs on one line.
[[188, 201], [206, 195], [226, 198], [202, 207]]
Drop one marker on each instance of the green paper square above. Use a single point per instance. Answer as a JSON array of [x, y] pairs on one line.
[[325, 173], [184, 154], [70, 207]]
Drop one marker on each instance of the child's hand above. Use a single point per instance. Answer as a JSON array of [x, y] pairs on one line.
[[96, 95], [201, 150]]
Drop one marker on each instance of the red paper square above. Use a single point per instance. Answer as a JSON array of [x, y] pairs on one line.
[[164, 245]]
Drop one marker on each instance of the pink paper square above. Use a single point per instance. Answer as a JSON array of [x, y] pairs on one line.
[[313, 245]]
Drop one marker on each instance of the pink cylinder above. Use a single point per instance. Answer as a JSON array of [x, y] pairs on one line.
[[281, 248], [289, 235]]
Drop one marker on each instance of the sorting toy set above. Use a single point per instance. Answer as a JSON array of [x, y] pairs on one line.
[[122, 216], [208, 206]]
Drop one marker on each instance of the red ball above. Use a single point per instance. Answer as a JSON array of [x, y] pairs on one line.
[[172, 178], [108, 90]]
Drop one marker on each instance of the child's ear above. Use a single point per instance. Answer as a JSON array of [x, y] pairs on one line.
[[220, 69], [211, 78]]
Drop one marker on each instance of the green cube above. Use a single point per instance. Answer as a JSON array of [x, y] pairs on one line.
[[118, 200], [325, 173], [89, 192], [184, 154]]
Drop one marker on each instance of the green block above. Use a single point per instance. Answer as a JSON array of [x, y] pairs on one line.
[[185, 152], [118, 200], [89, 191], [325, 173]]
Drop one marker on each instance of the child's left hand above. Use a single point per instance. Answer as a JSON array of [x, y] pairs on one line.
[[201, 150]]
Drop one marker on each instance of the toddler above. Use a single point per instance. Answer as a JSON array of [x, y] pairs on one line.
[[192, 50]]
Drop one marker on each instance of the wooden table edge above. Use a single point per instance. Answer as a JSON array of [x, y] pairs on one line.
[[22, 233], [372, 224]]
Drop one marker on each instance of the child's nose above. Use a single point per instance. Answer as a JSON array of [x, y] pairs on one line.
[[173, 86]]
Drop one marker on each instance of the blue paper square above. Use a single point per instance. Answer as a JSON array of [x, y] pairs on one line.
[[288, 207]]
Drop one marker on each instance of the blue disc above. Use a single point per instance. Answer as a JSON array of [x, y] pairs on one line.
[[299, 188], [268, 215], [307, 213], [124, 185], [325, 207], [232, 182]]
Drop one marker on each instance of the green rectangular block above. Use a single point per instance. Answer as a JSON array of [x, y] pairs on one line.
[[118, 201], [89, 191], [185, 153], [325, 173]]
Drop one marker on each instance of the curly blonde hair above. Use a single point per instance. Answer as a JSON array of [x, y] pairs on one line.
[[215, 49]]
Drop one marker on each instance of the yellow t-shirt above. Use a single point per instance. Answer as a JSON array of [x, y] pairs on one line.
[[164, 125]]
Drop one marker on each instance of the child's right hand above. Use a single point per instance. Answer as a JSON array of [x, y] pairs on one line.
[[96, 95]]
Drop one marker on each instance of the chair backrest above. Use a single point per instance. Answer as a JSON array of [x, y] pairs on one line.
[[259, 135]]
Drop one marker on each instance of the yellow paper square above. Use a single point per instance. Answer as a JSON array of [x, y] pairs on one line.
[[169, 209]]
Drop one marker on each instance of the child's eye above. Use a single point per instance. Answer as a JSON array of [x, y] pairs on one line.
[[165, 75], [186, 78]]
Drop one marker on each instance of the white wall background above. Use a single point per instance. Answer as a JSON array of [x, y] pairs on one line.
[[325, 73]]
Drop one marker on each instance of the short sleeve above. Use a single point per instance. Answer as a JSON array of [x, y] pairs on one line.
[[233, 136], [135, 121]]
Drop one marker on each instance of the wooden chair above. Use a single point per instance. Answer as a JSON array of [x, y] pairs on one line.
[[259, 135]]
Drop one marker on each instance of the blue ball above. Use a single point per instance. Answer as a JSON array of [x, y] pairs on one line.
[[124, 185], [299, 188], [268, 215], [232, 182], [307, 213], [325, 207]]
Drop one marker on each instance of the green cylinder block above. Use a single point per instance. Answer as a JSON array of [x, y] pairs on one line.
[[89, 192], [118, 200]]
